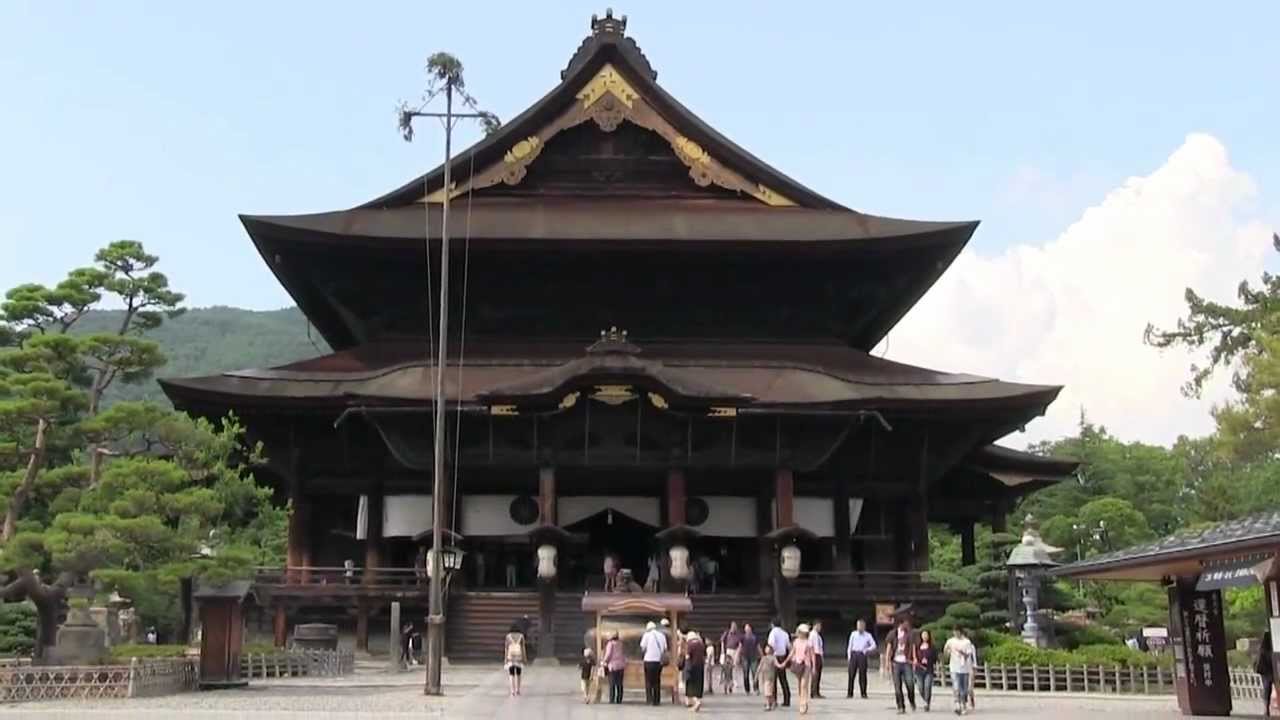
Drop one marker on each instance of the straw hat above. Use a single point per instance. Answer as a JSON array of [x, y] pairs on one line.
[[650, 626], [802, 629]]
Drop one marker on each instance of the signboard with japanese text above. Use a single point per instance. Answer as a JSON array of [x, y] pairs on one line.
[[1199, 650]]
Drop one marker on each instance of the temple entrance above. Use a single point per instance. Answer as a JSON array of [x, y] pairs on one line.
[[611, 531]]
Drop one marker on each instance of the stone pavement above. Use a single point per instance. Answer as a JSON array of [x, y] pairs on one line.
[[474, 692]]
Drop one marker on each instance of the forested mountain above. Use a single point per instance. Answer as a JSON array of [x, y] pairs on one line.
[[203, 341]]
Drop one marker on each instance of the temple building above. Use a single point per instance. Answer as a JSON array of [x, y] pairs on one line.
[[660, 351]]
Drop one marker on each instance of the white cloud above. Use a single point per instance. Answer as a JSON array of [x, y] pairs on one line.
[[1072, 310]]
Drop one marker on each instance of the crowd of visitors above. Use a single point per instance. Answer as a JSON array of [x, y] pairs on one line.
[[740, 660]]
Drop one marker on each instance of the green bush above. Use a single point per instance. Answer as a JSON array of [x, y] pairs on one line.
[[122, 653], [963, 612], [995, 618], [1071, 636], [17, 629], [1019, 653], [1110, 655]]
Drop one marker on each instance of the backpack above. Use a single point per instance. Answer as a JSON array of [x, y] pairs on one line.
[[515, 649]]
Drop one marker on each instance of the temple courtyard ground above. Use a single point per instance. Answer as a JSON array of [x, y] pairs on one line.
[[549, 693]]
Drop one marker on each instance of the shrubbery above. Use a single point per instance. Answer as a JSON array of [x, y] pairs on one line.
[[121, 654], [17, 629], [1017, 653]]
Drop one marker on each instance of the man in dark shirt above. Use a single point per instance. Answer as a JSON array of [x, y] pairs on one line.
[[750, 651]]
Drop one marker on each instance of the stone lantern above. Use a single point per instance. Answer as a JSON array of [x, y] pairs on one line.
[[1027, 564]]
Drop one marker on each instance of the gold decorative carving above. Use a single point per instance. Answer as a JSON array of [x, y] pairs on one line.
[[569, 400], [722, 412], [438, 195], [503, 410], [658, 401], [516, 161], [697, 159], [613, 394], [769, 197], [607, 98]]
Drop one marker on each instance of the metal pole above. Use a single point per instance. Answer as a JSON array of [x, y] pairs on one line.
[[435, 616]]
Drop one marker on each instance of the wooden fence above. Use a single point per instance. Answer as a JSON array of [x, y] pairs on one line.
[[1245, 684], [297, 663], [137, 679]]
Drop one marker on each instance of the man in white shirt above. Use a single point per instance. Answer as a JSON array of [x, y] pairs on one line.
[[961, 654], [819, 647], [861, 645], [654, 645], [780, 641]]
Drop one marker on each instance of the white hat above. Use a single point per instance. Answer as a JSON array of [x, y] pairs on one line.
[[666, 622], [586, 652], [691, 636], [802, 629], [650, 626]]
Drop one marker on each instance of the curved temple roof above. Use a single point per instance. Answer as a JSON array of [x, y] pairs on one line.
[[758, 375]]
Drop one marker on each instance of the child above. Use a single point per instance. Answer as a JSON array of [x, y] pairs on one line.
[[588, 667], [766, 678]]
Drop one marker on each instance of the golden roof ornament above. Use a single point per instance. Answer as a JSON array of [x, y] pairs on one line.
[[613, 341]]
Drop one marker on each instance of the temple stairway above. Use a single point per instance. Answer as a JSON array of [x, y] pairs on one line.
[[712, 613], [478, 622]]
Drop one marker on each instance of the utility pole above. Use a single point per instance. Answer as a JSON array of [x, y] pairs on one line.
[[444, 69]]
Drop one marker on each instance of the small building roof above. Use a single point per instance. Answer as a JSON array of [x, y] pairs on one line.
[[1182, 554]]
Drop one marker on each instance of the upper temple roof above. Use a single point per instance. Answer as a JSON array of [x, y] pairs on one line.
[[583, 208]]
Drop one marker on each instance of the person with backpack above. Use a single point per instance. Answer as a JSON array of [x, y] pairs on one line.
[[802, 664], [615, 663], [513, 656]]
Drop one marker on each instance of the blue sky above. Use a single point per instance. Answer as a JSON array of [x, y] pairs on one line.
[[160, 121]]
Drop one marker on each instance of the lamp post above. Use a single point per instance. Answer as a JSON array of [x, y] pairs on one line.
[[446, 77], [1027, 562]]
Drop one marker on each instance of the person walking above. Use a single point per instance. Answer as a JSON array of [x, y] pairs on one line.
[[900, 659], [1266, 671], [513, 657], [960, 655], [695, 658], [615, 662], [861, 645], [749, 651], [767, 679], [587, 668], [802, 664], [653, 646], [780, 641], [926, 665], [731, 644], [819, 648]]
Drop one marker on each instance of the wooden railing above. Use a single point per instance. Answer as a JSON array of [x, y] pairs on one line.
[[895, 585], [1115, 680], [297, 663], [403, 578]]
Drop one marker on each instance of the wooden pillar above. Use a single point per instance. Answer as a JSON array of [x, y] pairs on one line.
[[677, 497], [362, 626], [373, 537], [1271, 596], [918, 532], [298, 552], [547, 496], [764, 524], [999, 517], [968, 548], [843, 524], [784, 496], [280, 627], [547, 515]]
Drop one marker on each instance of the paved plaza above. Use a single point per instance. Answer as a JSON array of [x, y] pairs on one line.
[[550, 692]]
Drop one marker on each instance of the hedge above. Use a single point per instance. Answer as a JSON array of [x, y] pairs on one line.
[[1017, 653], [122, 653]]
